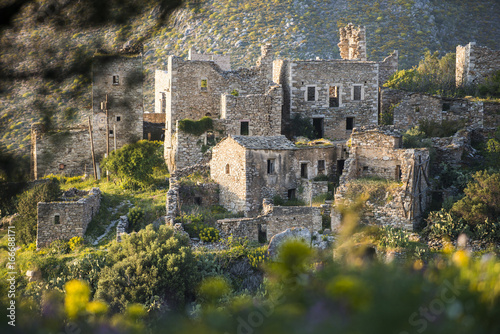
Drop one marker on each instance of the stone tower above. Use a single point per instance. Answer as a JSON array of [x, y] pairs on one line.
[[352, 43]]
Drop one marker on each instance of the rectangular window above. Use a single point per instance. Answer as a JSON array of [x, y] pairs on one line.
[[349, 123], [118, 118], [244, 128], [116, 80], [270, 166], [333, 97], [398, 174], [318, 127], [303, 170], [204, 85], [311, 93], [163, 102], [446, 107], [291, 193], [321, 166], [57, 219], [356, 93]]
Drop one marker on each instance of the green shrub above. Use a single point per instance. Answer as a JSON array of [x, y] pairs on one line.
[[209, 234], [135, 219], [321, 177], [196, 128], [152, 262], [300, 127], [257, 256], [393, 237], [442, 224], [59, 247], [134, 164]]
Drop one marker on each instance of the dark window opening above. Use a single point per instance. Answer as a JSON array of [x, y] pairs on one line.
[[340, 167], [204, 85], [227, 169], [163, 101], [318, 127], [291, 193], [244, 129], [349, 123], [321, 166], [57, 219], [208, 114], [446, 106], [417, 109], [197, 200], [116, 80], [270, 166], [357, 93], [210, 138], [110, 132], [398, 173], [303, 170], [118, 118], [334, 97], [311, 93], [262, 234], [365, 168], [62, 166]]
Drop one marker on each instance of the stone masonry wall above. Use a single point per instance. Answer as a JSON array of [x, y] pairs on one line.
[[223, 61], [311, 189], [66, 152], [204, 195], [345, 75], [240, 227], [74, 217], [227, 168], [261, 111], [352, 43], [119, 77], [475, 63], [388, 67]]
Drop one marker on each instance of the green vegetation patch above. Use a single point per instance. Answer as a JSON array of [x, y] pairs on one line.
[[379, 190], [196, 128]]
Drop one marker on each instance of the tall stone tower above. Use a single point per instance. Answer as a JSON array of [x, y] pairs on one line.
[[352, 43], [117, 88]]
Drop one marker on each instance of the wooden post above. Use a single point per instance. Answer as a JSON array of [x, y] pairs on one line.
[[92, 149], [107, 135], [114, 136]]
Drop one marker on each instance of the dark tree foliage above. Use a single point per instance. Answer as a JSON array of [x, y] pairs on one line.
[[26, 222]]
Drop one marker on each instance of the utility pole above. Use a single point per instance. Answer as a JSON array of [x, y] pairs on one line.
[[107, 134], [92, 149], [114, 135]]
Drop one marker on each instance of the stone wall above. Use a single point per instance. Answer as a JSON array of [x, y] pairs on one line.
[[64, 151], [223, 61], [491, 114], [312, 155], [321, 77], [203, 195], [261, 111], [475, 63], [228, 169], [120, 78], [377, 152], [388, 67], [68, 219], [311, 189], [240, 227], [352, 43]]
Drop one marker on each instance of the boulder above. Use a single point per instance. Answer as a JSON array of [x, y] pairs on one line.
[[301, 234]]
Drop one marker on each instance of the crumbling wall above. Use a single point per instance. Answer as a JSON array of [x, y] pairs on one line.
[[203, 195], [154, 126], [352, 43], [223, 61], [491, 114], [68, 219], [475, 63], [388, 67], [261, 111], [308, 189], [65, 151], [312, 155], [240, 227]]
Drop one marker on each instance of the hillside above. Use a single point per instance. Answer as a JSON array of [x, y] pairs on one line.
[[46, 69]]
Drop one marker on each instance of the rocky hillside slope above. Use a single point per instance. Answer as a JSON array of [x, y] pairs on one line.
[[46, 70]]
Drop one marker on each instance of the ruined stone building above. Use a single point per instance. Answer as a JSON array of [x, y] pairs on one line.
[[377, 152], [475, 63], [68, 218], [117, 88]]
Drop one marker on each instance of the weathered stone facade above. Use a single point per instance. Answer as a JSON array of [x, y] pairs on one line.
[[67, 219], [377, 152], [475, 63], [273, 220], [352, 43], [153, 126], [337, 95]]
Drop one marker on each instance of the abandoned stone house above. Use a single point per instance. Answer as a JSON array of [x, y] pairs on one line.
[[68, 218], [377, 152]]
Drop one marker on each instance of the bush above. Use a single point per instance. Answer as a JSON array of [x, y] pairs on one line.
[[393, 237], [209, 234], [481, 201], [300, 127], [26, 222], [134, 164], [135, 220], [152, 262], [442, 224], [196, 128], [75, 242]]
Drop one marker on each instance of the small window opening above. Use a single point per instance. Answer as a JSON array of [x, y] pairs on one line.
[[227, 169], [204, 85], [318, 127], [349, 123], [334, 97], [210, 138], [118, 118], [208, 114], [356, 96], [163, 101], [340, 167], [398, 173], [446, 106], [365, 168], [110, 132], [291, 193], [417, 109], [244, 129], [311, 93], [62, 166], [321, 166], [116, 80], [197, 200], [270, 166], [57, 219], [303, 170]]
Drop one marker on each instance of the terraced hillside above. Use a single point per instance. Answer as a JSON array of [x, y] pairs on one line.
[[46, 69]]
